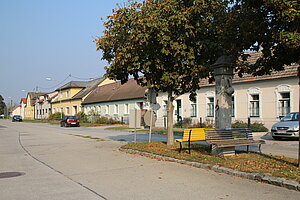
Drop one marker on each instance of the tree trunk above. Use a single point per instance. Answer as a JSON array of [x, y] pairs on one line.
[[170, 139]]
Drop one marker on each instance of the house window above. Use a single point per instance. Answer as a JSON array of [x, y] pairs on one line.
[[210, 107], [165, 108], [67, 93], [61, 110], [284, 102], [126, 109], [107, 110], [254, 105], [67, 110], [194, 109], [116, 109], [232, 107]]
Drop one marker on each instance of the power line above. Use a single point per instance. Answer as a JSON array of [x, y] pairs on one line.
[[80, 78], [55, 86]]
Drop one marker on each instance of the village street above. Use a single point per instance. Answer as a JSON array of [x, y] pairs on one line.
[[58, 164]]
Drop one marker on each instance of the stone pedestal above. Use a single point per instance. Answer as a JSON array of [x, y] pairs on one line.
[[225, 151], [223, 71]]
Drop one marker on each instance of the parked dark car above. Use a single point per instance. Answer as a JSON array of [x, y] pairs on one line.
[[288, 127], [17, 118], [69, 121]]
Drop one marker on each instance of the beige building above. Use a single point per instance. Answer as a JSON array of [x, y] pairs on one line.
[[30, 102], [71, 95], [263, 99]]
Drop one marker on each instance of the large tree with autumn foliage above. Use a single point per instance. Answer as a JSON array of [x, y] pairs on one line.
[[157, 42], [169, 45]]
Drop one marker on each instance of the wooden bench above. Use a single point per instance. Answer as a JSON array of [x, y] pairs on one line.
[[231, 138], [191, 135]]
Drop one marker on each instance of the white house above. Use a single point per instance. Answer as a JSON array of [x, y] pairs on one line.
[[263, 99]]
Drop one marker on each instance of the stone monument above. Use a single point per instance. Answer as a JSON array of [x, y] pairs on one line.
[[223, 72]]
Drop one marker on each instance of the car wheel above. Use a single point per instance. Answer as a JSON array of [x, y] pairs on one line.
[[276, 138]]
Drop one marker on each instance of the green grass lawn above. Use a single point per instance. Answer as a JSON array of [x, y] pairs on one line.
[[276, 166], [58, 122]]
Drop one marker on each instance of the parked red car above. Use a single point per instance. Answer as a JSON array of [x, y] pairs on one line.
[[69, 121]]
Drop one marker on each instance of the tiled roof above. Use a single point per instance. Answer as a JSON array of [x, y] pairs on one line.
[[116, 91], [289, 71], [74, 84], [91, 85], [24, 100], [34, 95], [52, 97]]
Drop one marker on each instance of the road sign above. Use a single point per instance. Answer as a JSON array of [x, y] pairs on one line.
[[148, 116]]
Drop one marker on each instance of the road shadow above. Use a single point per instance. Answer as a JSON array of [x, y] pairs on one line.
[[277, 159], [141, 138]]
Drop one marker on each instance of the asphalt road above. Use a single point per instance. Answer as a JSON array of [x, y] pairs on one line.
[[58, 164]]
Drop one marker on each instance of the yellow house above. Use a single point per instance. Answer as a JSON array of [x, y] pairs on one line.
[[71, 95], [29, 107]]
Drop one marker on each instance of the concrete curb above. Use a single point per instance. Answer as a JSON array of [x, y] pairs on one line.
[[281, 182]]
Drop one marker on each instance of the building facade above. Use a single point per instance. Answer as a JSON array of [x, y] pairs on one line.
[[42, 106], [31, 99], [22, 107], [115, 100], [71, 95], [263, 99]]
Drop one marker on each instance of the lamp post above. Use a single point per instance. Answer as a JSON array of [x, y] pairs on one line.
[[50, 79]]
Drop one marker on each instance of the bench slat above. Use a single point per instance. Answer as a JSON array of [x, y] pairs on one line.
[[231, 137]]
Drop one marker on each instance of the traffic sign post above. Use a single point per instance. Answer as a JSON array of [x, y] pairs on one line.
[[150, 119]]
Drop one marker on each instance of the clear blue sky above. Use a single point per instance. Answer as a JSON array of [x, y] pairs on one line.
[[40, 39]]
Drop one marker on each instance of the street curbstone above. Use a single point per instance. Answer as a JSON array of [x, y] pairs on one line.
[[290, 185]]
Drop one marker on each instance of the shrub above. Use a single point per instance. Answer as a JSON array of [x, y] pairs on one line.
[[258, 127], [255, 127], [186, 122], [82, 116], [56, 116], [106, 120]]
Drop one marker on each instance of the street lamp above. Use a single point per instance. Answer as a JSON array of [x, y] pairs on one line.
[[50, 79]]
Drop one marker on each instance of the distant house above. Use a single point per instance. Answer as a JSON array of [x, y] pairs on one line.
[[71, 95], [42, 106], [115, 100], [15, 110], [31, 99]]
